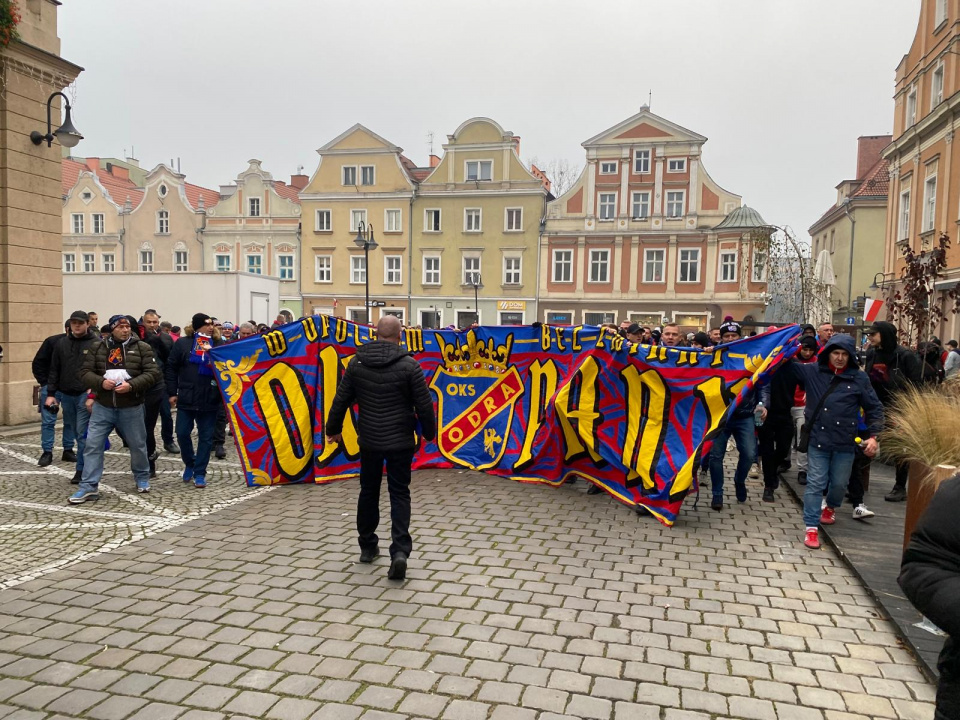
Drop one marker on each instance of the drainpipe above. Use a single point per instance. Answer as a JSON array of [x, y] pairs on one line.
[[201, 209], [413, 195], [853, 236], [543, 225]]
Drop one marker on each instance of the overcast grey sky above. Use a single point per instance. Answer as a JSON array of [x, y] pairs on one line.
[[782, 88]]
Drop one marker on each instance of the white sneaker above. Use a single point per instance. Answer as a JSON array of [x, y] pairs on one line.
[[860, 512], [823, 504], [754, 472]]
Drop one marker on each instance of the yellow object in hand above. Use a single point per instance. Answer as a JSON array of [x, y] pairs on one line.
[[857, 440]]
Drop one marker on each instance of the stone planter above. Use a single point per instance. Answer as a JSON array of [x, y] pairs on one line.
[[919, 493]]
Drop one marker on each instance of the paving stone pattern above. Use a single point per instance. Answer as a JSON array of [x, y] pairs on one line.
[[521, 603]]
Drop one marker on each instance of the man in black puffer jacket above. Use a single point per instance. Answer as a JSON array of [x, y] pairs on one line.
[[930, 577], [387, 383]]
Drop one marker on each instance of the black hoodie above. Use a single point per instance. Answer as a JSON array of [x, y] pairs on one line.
[[66, 363], [891, 367], [387, 383]]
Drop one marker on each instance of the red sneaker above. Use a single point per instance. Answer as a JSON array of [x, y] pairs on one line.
[[813, 539], [828, 516]]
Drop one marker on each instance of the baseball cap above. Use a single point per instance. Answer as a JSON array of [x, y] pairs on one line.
[[808, 342], [79, 315], [634, 329]]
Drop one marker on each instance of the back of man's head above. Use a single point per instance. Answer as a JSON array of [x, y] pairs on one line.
[[388, 328]]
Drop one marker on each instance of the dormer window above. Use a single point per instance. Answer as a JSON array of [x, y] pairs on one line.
[[479, 170]]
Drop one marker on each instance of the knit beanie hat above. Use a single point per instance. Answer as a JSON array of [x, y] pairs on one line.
[[199, 320], [730, 326]]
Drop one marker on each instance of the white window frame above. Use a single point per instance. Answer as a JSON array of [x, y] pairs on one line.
[[247, 265], [392, 275], [570, 315], [940, 14], [89, 261], [427, 213], [321, 215], [108, 262], [594, 256], [229, 264], [513, 276], [669, 202], [363, 172], [936, 86], [903, 218], [430, 272], [357, 215], [176, 261], [608, 316], [930, 202], [437, 314], [97, 220], [721, 265], [398, 312], [323, 269], [566, 263], [507, 226], [389, 216], [77, 223], [472, 220], [681, 263], [603, 207], [676, 165], [521, 313], [361, 316], [480, 165], [641, 162], [69, 262], [292, 267], [911, 110], [352, 169], [358, 270], [650, 262], [608, 167], [634, 202], [145, 260], [467, 273], [253, 207], [163, 222]]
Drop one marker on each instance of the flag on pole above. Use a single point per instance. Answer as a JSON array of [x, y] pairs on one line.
[[871, 310]]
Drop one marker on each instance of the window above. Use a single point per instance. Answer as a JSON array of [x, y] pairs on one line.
[[392, 269], [912, 107], [759, 272], [146, 261], [471, 220], [431, 270], [323, 221], [833, 241], [608, 206], [479, 169], [511, 270], [936, 87], [357, 217], [358, 269], [180, 261], [255, 264], [89, 262], [728, 266], [599, 266], [367, 175], [393, 221], [471, 269], [560, 318], [323, 268], [162, 190], [675, 203], [224, 263], [608, 168], [640, 205], [641, 162], [108, 261], [929, 203], [653, 261], [431, 221], [254, 204], [676, 165], [904, 215], [97, 223], [69, 263], [285, 266], [689, 265], [597, 318], [562, 266], [941, 13], [77, 223], [163, 222], [514, 219], [349, 175], [430, 318]]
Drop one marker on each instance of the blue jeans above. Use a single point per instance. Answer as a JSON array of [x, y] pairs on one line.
[[204, 420], [76, 417], [129, 424], [825, 468], [744, 432], [48, 423]]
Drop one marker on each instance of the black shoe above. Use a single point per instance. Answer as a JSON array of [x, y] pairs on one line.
[[172, 448], [398, 567], [45, 459], [802, 477], [368, 555], [768, 495], [898, 494], [784, 466], [68, 456], [594, 490], [77, 476], [153, 469], [717, 503], [154, 455], [219, 452]]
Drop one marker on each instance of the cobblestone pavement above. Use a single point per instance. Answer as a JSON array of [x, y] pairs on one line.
[[521, 603]]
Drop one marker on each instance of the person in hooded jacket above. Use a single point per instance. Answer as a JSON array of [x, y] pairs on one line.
[[836, 391], [930, 578], [388, 386], [891, 368], [48, 419]]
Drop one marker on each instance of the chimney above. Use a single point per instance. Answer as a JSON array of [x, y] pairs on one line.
[[434, 160], [120, 172], [93, 164], [516, 144], [299, 181], [869, 148]]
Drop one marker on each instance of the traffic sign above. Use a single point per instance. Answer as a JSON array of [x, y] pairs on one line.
[[851, 321]]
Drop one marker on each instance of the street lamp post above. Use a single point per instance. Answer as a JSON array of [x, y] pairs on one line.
[[477, 287], [365, 240]]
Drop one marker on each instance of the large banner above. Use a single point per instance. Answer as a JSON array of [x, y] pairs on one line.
[[535, 404]]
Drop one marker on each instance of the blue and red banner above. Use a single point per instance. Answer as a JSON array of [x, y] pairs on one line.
[[532, 404]]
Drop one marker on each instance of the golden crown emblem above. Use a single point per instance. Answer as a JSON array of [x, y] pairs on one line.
[[476, 357]]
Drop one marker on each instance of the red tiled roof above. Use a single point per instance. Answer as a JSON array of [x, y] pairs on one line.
[[286, 191], [119, 189], [417, 174], [195, 192], [877, 181]]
